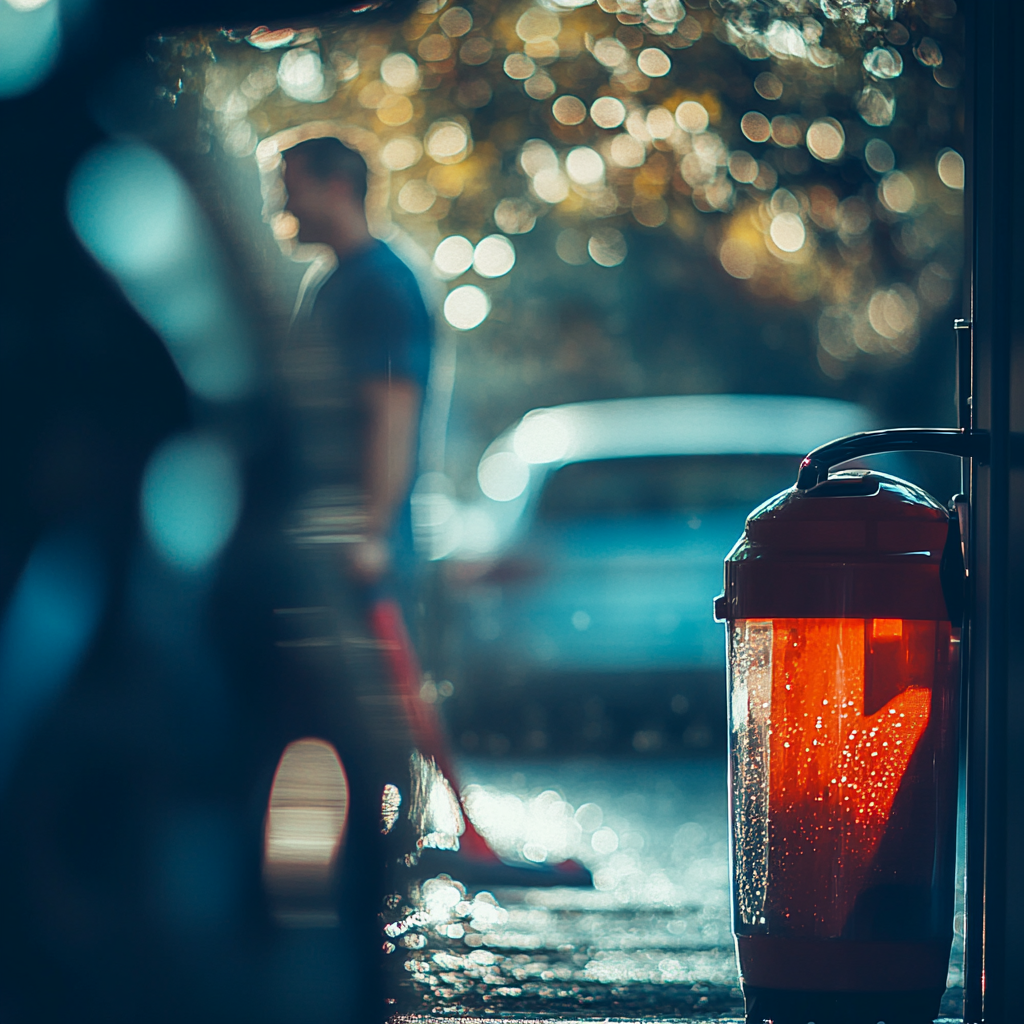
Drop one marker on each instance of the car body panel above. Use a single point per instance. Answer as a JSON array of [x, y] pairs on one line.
[[616, 593]]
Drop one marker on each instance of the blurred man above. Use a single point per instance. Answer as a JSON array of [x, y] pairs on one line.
[[371, 317], [362, 365]]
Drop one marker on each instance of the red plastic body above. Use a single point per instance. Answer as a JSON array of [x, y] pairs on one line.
[[843, 682]]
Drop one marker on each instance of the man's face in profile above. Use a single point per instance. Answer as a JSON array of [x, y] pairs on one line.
[[328, 209], [309, 198]]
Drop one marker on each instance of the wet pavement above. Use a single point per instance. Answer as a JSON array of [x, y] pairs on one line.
[[650, 939]]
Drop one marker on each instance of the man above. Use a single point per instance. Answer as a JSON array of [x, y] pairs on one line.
[[371, 313], [363, 374]]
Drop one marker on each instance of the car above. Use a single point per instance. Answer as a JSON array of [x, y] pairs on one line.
[[588, 564]]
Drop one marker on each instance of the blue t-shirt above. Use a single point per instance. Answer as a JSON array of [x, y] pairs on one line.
[[373, 307], [372, 314]]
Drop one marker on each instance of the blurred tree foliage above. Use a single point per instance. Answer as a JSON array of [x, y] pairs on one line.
[[759, 195]]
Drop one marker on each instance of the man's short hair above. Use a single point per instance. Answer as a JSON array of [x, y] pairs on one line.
[[329, 159]]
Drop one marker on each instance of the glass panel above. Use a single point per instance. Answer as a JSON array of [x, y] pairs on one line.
[[846, 769], [661, 485], [750, 665]]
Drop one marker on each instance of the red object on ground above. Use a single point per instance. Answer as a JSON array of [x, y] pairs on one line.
[[844, 670], [388, 627]]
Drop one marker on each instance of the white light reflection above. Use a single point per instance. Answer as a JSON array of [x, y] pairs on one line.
[[897, 192], [494, 256], [692, 116], [543, 436], [300, 75], [607, 112], [503, 476], [538, 830], [466, 307], [788, 232], [434, 809], [584, 166], [654, 63], [29, 44], [453, 256], [950, 168], [401, 72], [826, 139], [303, 833]]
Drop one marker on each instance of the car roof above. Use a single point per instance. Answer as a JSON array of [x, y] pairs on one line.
[[682, 425]]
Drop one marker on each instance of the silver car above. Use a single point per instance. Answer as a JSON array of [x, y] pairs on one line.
[[594, 550]]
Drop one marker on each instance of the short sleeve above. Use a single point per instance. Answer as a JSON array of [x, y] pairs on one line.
[[389, 330]]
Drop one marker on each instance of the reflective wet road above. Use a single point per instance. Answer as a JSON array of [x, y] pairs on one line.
[[651, 938]]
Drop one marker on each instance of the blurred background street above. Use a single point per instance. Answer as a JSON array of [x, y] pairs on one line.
[[651, 938], [667, 249]]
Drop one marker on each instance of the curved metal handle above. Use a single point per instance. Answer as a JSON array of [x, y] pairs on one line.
[[945, 440]]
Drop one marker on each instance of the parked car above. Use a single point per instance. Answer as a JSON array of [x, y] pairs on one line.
[[587, 567]]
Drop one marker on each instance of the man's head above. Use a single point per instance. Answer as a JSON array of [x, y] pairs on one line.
[[326, 184]]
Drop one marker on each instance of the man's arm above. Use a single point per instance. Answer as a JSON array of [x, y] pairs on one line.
[[393, 418]]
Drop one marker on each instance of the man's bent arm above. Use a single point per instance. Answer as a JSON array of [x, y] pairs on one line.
[[393, 412]]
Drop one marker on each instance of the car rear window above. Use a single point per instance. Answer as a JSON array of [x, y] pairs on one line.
[[663, 485]]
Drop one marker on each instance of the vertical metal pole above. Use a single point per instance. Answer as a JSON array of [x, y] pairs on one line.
[[995, 841]]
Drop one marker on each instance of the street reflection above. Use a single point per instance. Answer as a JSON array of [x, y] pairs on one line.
[[653, 934]]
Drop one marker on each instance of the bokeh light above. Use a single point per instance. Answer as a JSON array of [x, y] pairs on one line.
[[755, 126], [543, 436], [607, 112], [897, 192], [883, 62], [519, 66], [743, 167], [787, 232], [453, 256], [300, 75], [571, 246], [466, 307], [447, 141], [768, 85], [191, 500], [494, 256], [626, 151], [584, 166], [583, 123], [401, 153], [568, 110], [455, 22], [400, 72], [503, 476], [417, 196], [607, 247], [692, 116], [879, 156], [551, 185], [826, 139], [950, 168], [515, 216], [654, 63], [30, 42], [738, 258]]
